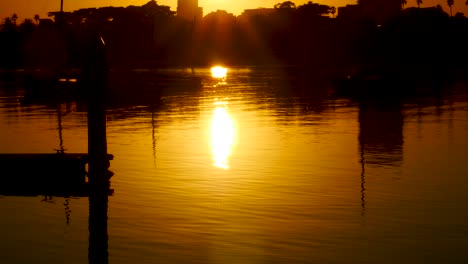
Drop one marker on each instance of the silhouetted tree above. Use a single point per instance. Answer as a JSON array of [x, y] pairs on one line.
[[216, 37], [219, 16], [285, 34], [9, 43], [333, 11], [152, 9], [14, 17], [313, 9], [7, 25], [450, 4], [419, 2], [37, 18], [27, 25], [286, 5]]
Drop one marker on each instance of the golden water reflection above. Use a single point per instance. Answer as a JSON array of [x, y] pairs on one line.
[[223, 135], [219, 72]]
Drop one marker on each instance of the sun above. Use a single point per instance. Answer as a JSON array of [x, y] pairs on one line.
[[219, 72]]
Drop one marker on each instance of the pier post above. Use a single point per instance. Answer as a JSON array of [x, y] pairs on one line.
[[94, 81], [99, 183]]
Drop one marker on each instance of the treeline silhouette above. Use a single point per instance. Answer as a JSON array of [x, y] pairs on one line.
[[421, 42], [151, 36]]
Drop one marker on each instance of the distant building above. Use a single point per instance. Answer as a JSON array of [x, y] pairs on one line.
[[189, 10], [380, 10], [349, 12], [377, 10]]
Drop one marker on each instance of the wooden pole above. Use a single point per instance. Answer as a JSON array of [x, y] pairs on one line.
[[94, 80], [60, 17]]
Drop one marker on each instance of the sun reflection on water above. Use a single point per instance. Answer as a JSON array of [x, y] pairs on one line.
[[223, 134]]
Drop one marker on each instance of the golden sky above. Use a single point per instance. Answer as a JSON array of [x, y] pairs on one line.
[[27, 8]]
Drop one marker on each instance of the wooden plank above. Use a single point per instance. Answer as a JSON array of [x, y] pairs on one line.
[[36, 155], [28, 190], [31, 189], [46, 156], [48, 169], [54, 174]]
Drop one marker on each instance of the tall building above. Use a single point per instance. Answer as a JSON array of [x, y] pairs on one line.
[[380, 10], [189, 10]]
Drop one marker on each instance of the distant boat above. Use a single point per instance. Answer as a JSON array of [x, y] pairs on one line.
[[50, 84]]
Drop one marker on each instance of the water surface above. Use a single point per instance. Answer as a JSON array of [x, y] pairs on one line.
[[255, 167]]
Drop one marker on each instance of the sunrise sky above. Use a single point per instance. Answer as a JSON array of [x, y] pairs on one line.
[[27, 8]]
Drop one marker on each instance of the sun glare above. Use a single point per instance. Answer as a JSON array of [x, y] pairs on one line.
[[223, 133], [219, 72]]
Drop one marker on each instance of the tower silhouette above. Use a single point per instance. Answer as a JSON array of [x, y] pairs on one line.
[[189, 10]]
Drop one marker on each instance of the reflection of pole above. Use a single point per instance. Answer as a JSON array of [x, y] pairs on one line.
[[67, 210], [153, 123], [98, 182], [59, 116], [363, 180], [98, 238], [95, 75], [362, 161], [192, 41]]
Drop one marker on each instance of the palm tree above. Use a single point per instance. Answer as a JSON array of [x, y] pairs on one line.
[[7, 25], [27, 25], [333, 10], [419, 2], [14, 17], [450, 4], [37, 18]]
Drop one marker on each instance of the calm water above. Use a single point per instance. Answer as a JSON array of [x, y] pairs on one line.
[[252, 168]]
